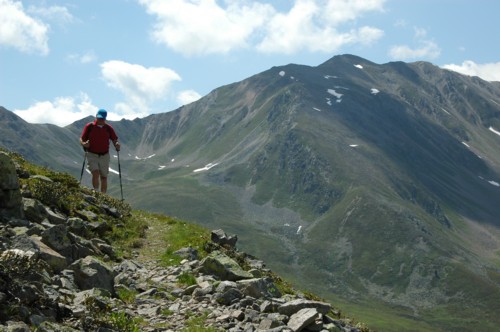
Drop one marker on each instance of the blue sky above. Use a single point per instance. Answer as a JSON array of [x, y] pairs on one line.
[[62, 60]]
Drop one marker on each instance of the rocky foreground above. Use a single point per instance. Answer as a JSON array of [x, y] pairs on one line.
[[57, 273]]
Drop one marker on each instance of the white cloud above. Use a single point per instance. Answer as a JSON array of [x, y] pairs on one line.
[[428, 49], [140, 85], [21, 31], [57, 14], [84, 58], [487, 71], [316, 26], [62, 111], [187, 96], [125, 111], [204, 27], [342, 11]]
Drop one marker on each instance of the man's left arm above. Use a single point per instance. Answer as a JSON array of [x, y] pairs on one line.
[[114, 139], [117, 145]]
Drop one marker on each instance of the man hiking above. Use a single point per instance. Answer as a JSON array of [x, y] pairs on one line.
[[95, 141]]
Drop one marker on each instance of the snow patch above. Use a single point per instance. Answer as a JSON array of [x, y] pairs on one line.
[[329, 76], [354, 145], [374, 91], [299, 229], [329, 101], [282, 73], [161, 167], [496, 184], [495, 102], [148, 157], [495, 131], [316, 109], [113, 171], [335, 93], [467, 145], [206, 168], [445, 111], [358, 66]]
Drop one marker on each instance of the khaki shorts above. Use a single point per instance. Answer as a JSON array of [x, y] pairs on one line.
[[97, 162]]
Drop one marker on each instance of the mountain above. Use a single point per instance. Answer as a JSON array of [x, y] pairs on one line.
[[45, 144], [376, 186]]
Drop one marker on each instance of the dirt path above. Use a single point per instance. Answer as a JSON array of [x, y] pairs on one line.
[[154, 243]]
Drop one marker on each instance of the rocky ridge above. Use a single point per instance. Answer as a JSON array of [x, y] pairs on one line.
[[57, 273]]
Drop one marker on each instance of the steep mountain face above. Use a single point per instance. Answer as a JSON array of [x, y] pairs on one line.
[[377, 185], [44, 144]]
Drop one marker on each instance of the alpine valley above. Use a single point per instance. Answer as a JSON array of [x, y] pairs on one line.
[[374, 186]]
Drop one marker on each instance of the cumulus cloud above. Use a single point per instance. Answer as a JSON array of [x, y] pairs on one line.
[[62, 111], [187, 96], [426, 49], [140, 85], [21, 31], [205, 27], [487, 71]]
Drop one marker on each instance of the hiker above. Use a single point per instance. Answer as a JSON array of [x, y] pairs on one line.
[[95, 141]]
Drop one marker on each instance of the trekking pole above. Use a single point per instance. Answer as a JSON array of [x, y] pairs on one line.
[[83, 166], [120, 172]]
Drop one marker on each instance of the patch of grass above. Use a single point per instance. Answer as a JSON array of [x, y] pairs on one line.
[[198, 324], [121, 321], [166, 312], [126, 295], [181, 235], [186, 278], [128, 234]]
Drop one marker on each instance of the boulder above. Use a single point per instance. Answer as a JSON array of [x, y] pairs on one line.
[[220, 237], [223, 267], [291, 307], [34, 210], [91, 273], [259, 288], [302, 318], [10, 194]]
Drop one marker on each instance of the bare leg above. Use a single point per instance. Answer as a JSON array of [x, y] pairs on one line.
[[104, 184], [95, 179]]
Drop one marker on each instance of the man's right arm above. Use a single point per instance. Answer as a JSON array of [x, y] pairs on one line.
[[83, 142]]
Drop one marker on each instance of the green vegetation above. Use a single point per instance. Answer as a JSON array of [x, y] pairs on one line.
[[123, 322], [126, 295], [186, 278], [104, 316], [197, 324]]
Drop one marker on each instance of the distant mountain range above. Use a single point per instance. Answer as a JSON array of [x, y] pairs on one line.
[[374, 186]]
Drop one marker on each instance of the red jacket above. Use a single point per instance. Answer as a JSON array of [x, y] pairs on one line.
[[98, 136]]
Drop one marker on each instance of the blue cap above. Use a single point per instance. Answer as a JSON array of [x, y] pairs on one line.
[[101, 114]]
